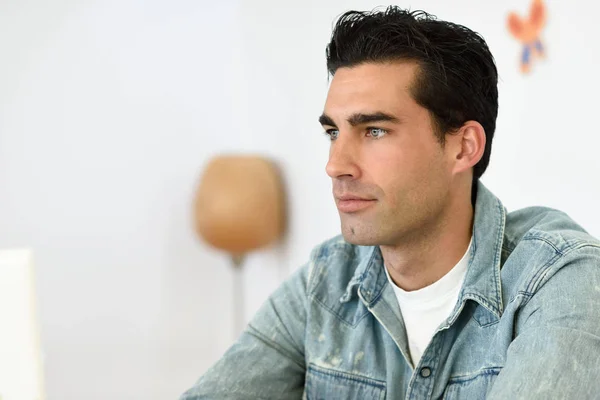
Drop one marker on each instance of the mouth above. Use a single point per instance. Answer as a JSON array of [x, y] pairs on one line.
[[352, 205]]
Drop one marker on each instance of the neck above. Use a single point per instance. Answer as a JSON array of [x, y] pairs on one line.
[[433, 252]]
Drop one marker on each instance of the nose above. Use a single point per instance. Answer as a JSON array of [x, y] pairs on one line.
[[343, 156]]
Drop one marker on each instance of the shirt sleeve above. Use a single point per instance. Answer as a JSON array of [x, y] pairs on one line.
[[556, 351], [267, 361]]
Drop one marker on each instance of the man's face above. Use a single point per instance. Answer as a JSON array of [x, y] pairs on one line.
[[391, 176]]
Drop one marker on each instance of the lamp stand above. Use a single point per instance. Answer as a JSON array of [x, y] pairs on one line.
[[238, 295]]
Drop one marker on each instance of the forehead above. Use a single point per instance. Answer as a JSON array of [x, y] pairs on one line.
[[370, 86]]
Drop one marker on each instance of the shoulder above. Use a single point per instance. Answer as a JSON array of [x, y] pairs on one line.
[[540, 241], [543, 223]]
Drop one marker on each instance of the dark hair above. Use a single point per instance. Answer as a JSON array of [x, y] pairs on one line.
[[457, 81]]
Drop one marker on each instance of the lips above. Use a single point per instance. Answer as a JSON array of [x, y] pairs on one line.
[[352, 204]]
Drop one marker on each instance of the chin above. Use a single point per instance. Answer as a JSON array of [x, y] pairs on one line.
[[358, 239]]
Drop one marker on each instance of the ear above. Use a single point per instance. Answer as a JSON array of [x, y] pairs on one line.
[[468, 146]]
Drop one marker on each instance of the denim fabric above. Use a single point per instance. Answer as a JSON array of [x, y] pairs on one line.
[[526, 324]]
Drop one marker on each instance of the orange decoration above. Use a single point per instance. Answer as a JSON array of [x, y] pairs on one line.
[[527, 31]]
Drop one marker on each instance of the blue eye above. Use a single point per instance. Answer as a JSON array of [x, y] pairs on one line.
[[376, 133], [332, 133]]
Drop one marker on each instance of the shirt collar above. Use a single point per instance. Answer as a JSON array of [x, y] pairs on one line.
[[482, 283]]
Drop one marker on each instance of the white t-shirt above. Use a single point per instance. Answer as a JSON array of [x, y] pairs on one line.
[[425, 309]]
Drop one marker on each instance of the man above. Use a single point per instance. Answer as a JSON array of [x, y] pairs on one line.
[[434, 291]]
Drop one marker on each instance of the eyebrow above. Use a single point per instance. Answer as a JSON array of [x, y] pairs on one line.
[[360, 118]]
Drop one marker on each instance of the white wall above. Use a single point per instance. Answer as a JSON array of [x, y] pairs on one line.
[[109, 111]]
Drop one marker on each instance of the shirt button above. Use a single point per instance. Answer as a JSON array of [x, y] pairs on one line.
[[425, 372]]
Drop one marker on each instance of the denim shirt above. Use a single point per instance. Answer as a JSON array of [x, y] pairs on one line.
[[526, 324]]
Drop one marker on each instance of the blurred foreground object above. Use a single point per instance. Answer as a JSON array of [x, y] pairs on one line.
[[528, 30], [239, 208], [21, 376]]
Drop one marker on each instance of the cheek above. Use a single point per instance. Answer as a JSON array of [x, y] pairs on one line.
[[393, 171], [406, 176]]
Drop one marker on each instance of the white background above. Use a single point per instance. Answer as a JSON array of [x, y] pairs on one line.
[[110, 109]]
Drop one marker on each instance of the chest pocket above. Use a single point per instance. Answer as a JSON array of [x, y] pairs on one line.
[[326, 384], [471, 387]]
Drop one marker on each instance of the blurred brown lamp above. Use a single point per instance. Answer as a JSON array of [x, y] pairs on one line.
[[239, 207]]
